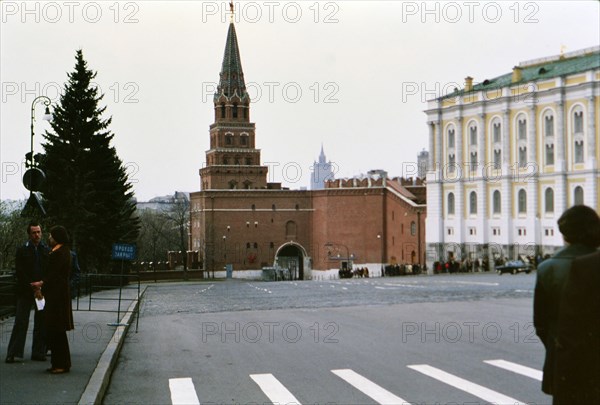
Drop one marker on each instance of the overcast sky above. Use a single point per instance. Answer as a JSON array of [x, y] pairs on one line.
[[350, 75]]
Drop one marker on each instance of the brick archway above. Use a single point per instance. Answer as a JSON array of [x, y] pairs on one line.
[[291, 256]]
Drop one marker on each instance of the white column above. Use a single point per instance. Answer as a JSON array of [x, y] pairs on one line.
[[459, 197], [560, 164], [507, 180], [432, 147], [482, 203]]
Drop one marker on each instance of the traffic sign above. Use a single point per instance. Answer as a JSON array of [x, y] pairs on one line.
[[123, 251]]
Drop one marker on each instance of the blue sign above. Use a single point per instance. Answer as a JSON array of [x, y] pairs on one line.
[[123, 251]]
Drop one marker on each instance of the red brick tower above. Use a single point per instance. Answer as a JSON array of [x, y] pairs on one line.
[[232, 162]]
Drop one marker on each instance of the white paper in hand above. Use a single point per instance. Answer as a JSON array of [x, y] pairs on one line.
[[40, 303]]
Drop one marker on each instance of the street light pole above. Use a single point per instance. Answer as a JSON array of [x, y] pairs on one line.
[[47, 117]]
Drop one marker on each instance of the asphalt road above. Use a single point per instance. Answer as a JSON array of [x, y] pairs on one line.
[[426, 340]]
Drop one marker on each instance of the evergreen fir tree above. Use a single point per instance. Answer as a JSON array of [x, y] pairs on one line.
[[87, 188]]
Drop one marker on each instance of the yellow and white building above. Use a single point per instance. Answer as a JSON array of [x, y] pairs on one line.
[[508, 155]]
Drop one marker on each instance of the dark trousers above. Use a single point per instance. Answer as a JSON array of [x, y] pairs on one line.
[[16, 345], [59, 344]]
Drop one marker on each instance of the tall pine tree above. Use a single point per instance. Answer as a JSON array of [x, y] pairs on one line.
[[87, 188]]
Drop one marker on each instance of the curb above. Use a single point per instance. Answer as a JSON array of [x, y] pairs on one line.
[[98, 383]]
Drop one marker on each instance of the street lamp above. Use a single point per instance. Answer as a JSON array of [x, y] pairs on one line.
[[46, 117], [34, 177]]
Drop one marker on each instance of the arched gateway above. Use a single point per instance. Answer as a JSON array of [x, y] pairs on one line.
[[293, 257]]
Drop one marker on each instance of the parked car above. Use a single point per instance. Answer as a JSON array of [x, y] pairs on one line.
[[514, 267]]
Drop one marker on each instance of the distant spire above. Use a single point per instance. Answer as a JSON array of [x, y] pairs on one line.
[[322, 158], [231, 76], [231, 10]]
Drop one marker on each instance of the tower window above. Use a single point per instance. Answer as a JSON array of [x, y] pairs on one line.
[[235, 111], [223, 111]]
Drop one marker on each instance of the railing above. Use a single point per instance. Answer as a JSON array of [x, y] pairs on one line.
[[90, 285]]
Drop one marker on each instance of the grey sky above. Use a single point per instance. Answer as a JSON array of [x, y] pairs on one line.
[[350, 75]]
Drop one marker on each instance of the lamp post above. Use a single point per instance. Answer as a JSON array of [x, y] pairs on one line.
[[34, 177], [47, 117]]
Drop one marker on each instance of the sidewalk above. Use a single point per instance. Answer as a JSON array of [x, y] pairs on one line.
[[94, 346]]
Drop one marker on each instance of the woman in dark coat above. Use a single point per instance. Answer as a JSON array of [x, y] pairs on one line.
[[58, 311]]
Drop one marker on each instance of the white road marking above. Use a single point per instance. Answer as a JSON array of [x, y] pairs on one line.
[[474, 389], [369, 388], [517, 368], [273, 389], [466, 282], [183, 391]]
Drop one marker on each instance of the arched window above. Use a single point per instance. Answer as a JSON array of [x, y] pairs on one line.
[[522, 203], [450, 203], [290, 229], [548, 128], [451, 141], [578, 134], [522, 140], [228, 139], [244, 139], [549, 200], [496, 202], [413, 228], [473, 203], [578, 195], [473, 134], [235, 111], [496, 143]]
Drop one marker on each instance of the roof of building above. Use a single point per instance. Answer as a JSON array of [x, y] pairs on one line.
[[231, 77], [541, 69]]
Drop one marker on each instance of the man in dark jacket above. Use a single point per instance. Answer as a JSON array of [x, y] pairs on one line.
[[580, 227], [31, 263], [577, 373]]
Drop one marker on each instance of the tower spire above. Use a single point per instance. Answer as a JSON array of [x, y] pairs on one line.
[[231, 81], [231, 10]]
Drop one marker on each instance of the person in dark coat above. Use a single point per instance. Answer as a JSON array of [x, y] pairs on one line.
[[580, 227], [56, 291], [31, 261], [577, 374]]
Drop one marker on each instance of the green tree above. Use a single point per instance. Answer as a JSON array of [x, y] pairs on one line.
[[87, 188], [13, 233]]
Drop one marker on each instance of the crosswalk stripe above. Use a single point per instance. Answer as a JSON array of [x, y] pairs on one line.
[[517, 368], [464, 385], [369, 388], [273, 389], [183, 391]]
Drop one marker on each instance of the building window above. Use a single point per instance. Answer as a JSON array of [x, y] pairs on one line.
[[273, 207], [450, 231], [225, 160], [549, 200], [235, 111], [473, 135], [223, 111], [578, 195], [548, 124], [248, 161], [451, 138], [473, 161], [578, 151], [496, 202], [549, 154], [228, 139], [549, 232], [522, 203], [472, 231], [522, 129], [248, 245], [413, 228], [253, 207], [522, 231], [244, 140], [451, 163], [255, 245], [578, 122], [497, 134], [522, 156], [290, 229], [496, 231], [473, 203], [450, 203], [497, 159]]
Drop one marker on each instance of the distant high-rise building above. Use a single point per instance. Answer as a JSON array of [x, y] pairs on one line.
[[422, 160], [322, 171]]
